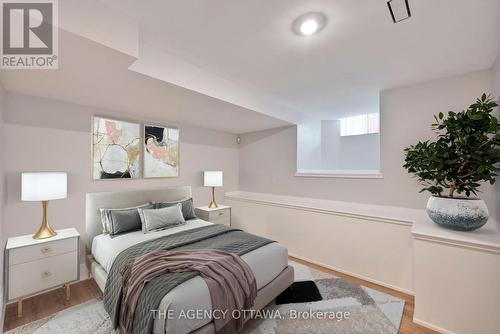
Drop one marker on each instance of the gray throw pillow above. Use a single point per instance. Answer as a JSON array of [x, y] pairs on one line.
[[187, 207], [116, 221], [161, 219]]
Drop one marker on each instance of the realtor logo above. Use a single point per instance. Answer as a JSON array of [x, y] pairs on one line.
[[29, 34]]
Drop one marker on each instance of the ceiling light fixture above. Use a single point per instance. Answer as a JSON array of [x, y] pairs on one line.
[[308, 27], [400, 10], [309, 24]]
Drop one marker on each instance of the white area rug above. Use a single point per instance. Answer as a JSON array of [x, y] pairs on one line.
[[370, 311], [86, 318]]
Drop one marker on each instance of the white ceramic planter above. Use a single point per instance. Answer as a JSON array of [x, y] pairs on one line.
[[461, 214]]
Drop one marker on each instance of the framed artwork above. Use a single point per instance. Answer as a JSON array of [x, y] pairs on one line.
[[116, 150], [161, 151]]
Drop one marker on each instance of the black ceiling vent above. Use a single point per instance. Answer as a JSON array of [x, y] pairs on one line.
[[400, 10]]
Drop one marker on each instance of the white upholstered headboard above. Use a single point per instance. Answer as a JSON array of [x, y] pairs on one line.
[[124, 199]]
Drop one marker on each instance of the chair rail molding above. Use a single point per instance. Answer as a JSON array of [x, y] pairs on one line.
[[371, 242]]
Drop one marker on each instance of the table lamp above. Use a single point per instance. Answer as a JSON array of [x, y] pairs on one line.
[[43, 186], [212, 179]]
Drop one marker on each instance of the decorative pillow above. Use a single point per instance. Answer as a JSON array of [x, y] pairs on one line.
[[161, 219], [106, 214], [187, 207]]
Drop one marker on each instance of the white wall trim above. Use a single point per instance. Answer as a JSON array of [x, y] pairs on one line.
[[277, 200], [485, 239], [428, 325], [461, 244], [339, 174], [371, 280]]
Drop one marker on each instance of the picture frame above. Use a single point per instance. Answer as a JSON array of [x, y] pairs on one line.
[[161, 147], [116, 149]]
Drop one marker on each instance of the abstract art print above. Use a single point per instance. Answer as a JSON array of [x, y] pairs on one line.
[[115, 149], [161, 151]]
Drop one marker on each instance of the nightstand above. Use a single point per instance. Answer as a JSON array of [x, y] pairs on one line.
[[219, 215], [34, 266]]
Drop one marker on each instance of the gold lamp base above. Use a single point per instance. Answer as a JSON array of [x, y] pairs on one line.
[[45, 231], [213, 204]]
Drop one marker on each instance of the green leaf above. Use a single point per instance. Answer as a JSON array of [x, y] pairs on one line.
[[475, 117], [493, 123], [465, 152]]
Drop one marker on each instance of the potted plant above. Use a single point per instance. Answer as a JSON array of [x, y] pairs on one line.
[[465, 153]]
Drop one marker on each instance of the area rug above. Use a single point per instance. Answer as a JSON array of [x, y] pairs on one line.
[[355, 308], [86, 318]]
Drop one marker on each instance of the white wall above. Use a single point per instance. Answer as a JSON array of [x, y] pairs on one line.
[[2, 186], [48, 135], [496, 94], [330, 144], [360, 152], [448, 296], [320, 146], [496, 79], [267, 158], [309, 140], [348, 152]]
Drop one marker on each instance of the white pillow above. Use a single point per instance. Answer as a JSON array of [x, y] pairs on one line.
[[161, 219]]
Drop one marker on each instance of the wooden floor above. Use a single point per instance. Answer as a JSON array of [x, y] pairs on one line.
[[51, 302], [54, 301]]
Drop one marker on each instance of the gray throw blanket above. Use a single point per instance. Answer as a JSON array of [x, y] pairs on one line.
[[230, 281], [215, 237]]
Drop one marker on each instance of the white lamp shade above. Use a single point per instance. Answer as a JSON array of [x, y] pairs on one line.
[[43, 186], [212, 179]]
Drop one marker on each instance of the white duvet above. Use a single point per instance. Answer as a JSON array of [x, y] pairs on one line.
[[266, 263]]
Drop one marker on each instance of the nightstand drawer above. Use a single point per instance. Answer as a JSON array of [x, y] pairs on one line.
[[219, 214], [28, 278], [42, 250], [224, 220]]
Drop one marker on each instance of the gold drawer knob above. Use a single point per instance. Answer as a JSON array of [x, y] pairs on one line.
[[46, 274], [221, 213], [46, 250]]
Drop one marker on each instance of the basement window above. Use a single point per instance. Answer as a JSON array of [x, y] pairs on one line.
[[360, 125], [339, 147]]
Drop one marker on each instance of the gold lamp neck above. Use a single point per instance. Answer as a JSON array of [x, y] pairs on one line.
[[213, 203], [45, 231]]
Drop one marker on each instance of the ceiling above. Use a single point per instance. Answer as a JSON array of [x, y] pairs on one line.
[[342, 69], [94, 75], [236, 66]]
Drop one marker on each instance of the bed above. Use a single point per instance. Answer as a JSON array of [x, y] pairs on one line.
[[269, 263]]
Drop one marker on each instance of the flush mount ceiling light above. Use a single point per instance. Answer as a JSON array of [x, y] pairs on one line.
[[400, 10], [309, 24]]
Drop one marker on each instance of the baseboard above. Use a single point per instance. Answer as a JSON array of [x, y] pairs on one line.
[[371, 280], [435, 328]]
